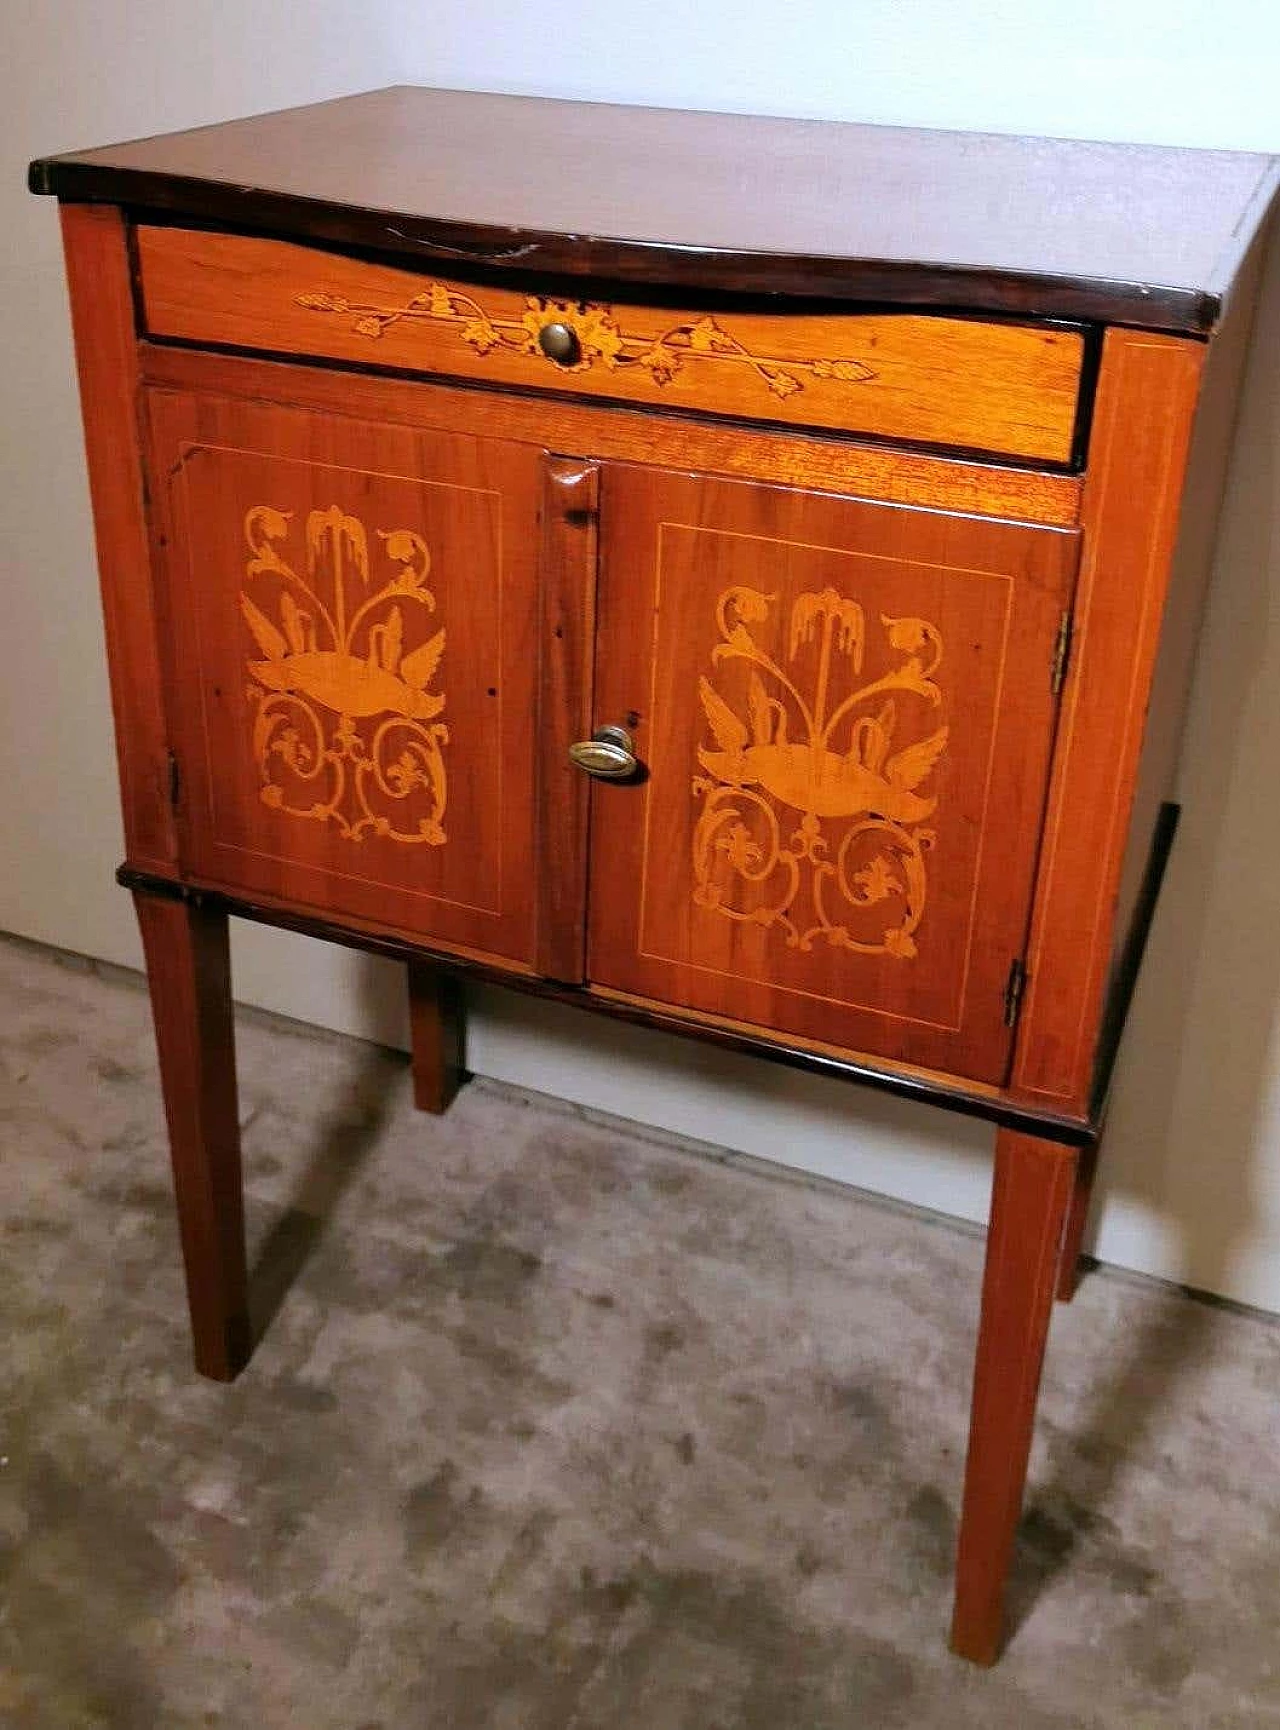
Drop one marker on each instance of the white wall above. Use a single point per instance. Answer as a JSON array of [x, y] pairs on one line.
[[1191, 1183]]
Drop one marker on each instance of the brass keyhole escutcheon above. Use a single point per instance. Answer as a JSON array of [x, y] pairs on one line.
[[559, 342]]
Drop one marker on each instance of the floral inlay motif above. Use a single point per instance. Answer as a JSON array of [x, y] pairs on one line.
[[335, 650], [833, 758], [601, 341]]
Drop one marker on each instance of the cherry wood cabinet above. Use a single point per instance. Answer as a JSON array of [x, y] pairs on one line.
[[736, 575]]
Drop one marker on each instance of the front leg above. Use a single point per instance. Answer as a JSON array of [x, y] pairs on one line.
[[1030, 1198], [189, 974]]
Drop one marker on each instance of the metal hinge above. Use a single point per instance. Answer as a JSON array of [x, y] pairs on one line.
[[1014, 987], [175, 780], [1061, 654]]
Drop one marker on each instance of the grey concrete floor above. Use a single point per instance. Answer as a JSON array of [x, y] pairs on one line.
[[556, 1426]]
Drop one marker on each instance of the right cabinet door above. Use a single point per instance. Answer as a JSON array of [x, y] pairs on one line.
[[844, 713]]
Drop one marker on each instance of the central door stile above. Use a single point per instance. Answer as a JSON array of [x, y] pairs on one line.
[[567, 583]]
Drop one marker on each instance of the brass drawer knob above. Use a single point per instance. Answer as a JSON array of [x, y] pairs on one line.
[[608, 754], [559, 343]]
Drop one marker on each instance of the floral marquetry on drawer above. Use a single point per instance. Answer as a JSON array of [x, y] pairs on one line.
[[1004, 387], [734, 576]]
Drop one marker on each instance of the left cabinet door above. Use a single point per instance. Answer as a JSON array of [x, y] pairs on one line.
[[352, 623]]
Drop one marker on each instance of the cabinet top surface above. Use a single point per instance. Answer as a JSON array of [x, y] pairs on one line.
[[1138, 234]]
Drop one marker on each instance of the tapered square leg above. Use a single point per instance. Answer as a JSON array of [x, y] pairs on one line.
[[435, 1021], [1077, 1219], [189, 973], [1029, 1201]]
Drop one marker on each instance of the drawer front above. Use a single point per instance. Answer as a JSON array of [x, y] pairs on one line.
[[1009, 389]]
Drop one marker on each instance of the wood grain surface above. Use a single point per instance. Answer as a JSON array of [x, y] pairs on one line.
[[674, 441], [1029, 1200], [570, 505], [1046, 227], [95, 243], [436, 1032], [1006, 388], [189, 974], [354, 661], [1146, 399], [844, 715], [812, 1056]]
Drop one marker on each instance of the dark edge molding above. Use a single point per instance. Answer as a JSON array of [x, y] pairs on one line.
[[1050, 1126], [905, 282], [1125, 976], [1256, 216], [1086, 395]]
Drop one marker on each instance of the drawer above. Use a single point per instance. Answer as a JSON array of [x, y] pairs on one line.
[[1008, 389]]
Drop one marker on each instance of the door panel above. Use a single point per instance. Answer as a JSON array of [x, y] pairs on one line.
[[355, 661], [844, 714]]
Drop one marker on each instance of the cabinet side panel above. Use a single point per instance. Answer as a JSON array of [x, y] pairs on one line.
[[1215, 420], [106, 356], [1141, 436]]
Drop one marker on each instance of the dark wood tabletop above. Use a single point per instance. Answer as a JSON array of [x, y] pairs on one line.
[[1138, 234]]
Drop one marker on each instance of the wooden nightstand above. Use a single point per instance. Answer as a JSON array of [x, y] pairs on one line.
[[738, 575]]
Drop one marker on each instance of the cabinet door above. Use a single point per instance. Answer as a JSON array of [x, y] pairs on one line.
[[352, 619], [844, 712]]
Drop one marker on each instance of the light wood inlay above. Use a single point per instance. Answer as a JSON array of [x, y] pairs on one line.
[[782, 881], [596, 336], [1010, 388], [343, 651], [749, 862], [354, 611]]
